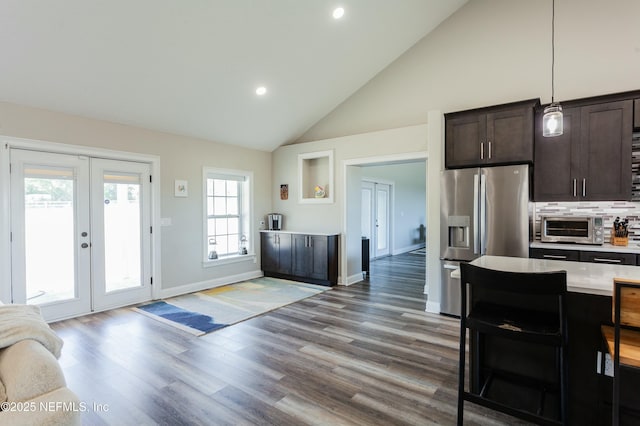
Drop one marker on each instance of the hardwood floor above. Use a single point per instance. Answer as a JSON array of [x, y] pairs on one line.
[[366, 354]]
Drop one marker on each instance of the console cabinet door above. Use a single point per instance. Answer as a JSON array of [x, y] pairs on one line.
[[302, 258], [310, 256], [319, 257], [275, 252]]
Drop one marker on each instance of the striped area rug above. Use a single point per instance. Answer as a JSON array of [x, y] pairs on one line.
[[209, 310]]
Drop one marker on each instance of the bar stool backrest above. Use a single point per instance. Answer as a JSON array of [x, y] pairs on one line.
[[629, 291]]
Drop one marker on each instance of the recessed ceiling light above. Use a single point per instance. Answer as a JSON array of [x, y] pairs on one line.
[[338, 12], [261, 90]]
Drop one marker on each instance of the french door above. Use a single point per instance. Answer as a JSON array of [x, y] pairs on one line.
[[376, 201], [80, 232]]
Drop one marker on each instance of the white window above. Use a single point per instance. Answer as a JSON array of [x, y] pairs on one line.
[[227, 214]]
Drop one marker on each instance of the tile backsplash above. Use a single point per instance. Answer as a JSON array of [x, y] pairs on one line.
[[609, 210]]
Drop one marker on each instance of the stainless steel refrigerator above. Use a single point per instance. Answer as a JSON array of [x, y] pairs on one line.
[[484, 211]]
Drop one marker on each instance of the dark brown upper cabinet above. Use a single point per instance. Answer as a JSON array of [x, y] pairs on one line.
[[591, 160], [502, 134], [636, 114]]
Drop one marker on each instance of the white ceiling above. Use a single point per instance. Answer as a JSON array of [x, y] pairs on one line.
[[191, 67]]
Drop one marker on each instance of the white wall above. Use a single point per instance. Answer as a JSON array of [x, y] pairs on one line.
[[180, 158], [409, 197], [396, 144], [496, 51]]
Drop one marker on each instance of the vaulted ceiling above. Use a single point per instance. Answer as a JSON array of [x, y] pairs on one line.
[[192, 67]]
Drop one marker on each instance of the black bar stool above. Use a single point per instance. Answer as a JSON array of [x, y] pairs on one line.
[[516, 321]]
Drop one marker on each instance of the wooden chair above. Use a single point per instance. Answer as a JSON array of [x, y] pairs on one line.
[[514, 308], [623, 338]]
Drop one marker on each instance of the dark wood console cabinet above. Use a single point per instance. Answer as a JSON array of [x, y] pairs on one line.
[[496, 135], [309, 258]]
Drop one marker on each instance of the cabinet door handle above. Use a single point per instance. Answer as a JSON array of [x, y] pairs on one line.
[[584, 187], [554, 256], [482, 150], [604, 260], [489, 150], [575, 187]]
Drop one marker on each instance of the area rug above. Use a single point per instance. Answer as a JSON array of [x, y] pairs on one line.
[[422, 251], [209, 310]]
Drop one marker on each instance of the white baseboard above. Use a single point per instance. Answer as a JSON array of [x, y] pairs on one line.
[[408, 249], [433, 307], [352, 279], [204, 285]]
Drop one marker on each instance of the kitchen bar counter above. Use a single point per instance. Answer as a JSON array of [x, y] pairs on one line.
[[633, 247], [582, 277], [590, 287]]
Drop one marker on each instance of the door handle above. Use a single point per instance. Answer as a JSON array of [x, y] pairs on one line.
[[584, 187], [482, 150], [84, 245], [489, 150], [476, 223], [575, 187]]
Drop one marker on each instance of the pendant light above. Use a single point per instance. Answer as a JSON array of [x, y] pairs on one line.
[[552, 118]]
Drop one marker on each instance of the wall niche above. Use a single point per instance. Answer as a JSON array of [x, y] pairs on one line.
[[315, 175]]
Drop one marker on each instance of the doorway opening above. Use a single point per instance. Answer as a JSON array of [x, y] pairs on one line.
[[389, 192]]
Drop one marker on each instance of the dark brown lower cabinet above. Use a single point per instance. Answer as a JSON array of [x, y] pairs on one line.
[[312, 258]]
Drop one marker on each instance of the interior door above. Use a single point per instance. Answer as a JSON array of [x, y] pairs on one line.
[[382, 222], [367, 219], [121, 229], [50, 254], [375, 220]]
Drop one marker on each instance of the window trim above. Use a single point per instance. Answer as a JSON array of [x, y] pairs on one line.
[[246, 215]]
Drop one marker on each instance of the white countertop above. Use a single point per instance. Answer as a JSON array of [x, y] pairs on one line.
[[582, 277], [633, 247]]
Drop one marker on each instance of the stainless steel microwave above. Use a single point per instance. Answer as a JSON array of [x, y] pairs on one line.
[[572, 229]]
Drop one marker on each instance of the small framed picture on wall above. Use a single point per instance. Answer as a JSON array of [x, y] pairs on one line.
[[284, 192], [181, 188]]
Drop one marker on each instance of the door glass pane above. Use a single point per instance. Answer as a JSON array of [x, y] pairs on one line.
[[49, 234], [122, 219]]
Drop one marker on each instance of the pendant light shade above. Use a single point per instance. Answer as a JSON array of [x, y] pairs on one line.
[[552, 119]]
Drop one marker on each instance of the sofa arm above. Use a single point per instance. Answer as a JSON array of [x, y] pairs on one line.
[[28, 369], [60, 408]]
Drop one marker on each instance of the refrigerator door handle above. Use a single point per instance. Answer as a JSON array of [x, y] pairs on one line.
[[476, 233], [483, 213]]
